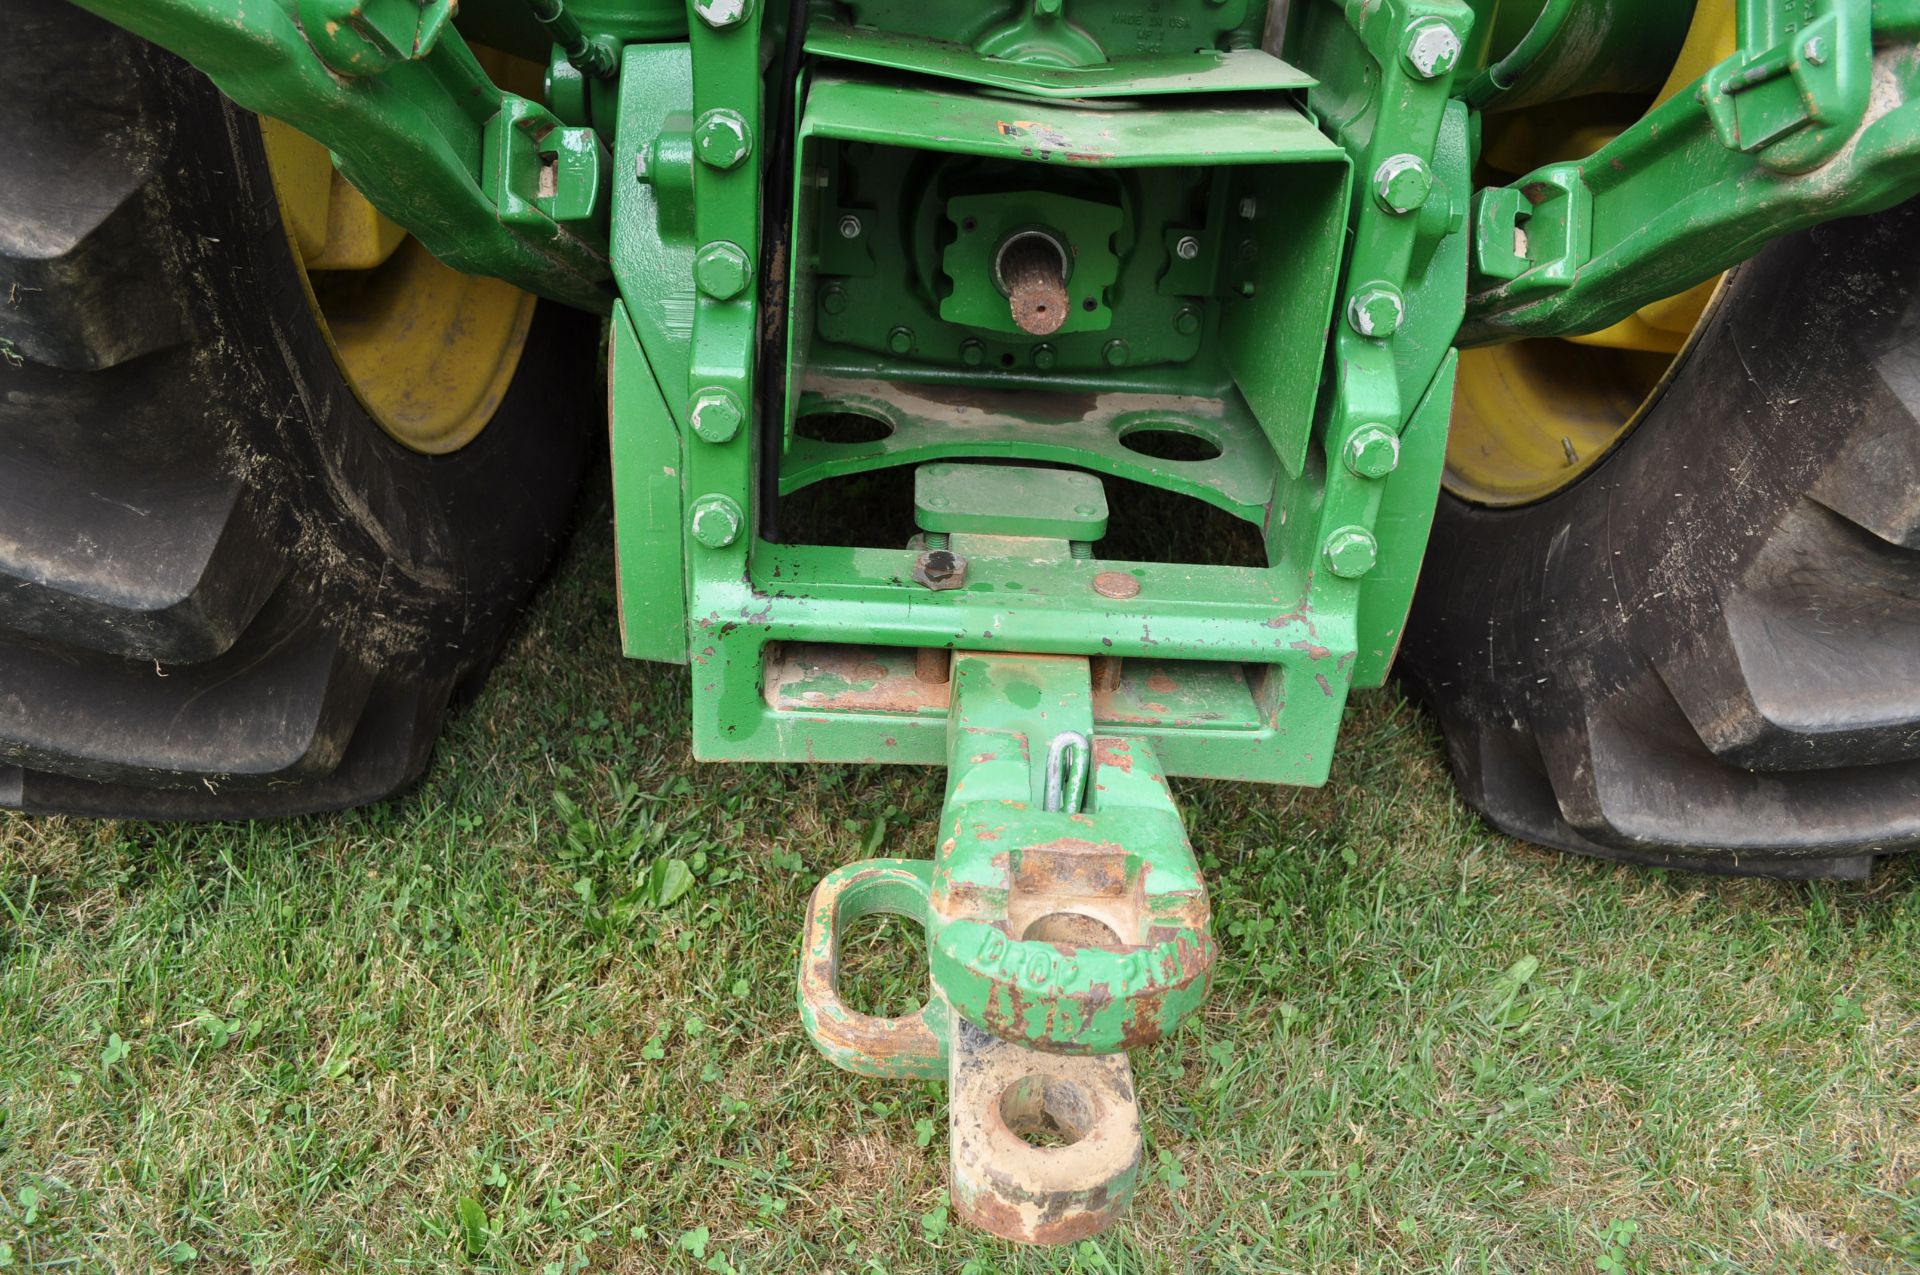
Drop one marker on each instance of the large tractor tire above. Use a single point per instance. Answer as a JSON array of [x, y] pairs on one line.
[[1705, 651], [225, 589]]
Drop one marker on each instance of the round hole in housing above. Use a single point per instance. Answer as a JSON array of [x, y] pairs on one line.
[[1048, 1111], [1167, 440], [1074, 929], [841, 426]]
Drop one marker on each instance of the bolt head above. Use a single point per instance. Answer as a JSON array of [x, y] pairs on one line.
[[1043, 357], [1372, 452], [716, 521], [1376, 311], [900, 340], [940, 569], [833, 299], [1187, 322], [972, 353], [1815, 51], [721, 14], [1432, 48], [721, 139], [1351, 552], [716, 414], [721, 270], [1115, 352], [1187, 248], [1117, 584], [849, 227], [1402, 183]]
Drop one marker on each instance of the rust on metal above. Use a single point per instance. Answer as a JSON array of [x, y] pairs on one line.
[[820, 677], [1116, 584]]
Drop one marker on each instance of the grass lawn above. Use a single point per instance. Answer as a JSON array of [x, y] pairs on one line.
[[302, 1046]]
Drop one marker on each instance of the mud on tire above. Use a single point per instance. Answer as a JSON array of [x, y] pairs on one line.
[[1706, 653], [224, 592]]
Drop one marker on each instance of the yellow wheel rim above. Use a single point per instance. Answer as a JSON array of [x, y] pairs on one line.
[[1530, 417], [428, 351]]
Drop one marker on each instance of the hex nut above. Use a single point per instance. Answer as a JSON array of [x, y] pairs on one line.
[[1373, 451], [1187, 248], [1432, 48], [1402, 183], [716, 414], [722, 140], [1376, 310], [940, 569], [1351, 552], [850, 227], [716, 521], [721, 270]]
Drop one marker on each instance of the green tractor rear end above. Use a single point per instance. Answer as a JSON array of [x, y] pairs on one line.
[[1069, 394]]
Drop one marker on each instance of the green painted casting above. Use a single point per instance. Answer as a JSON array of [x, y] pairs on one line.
[[413, 122], [1009, 500], [1816, 116]]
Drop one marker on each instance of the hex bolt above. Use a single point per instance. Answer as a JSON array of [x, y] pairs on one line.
[[940, 569], [972, 353], [1043, 357], [722, 139], [1402, 183], [1187, 322], [1376, 310], [716, 414], [1187, 248], [1115, 352], [1432, 48], [849, 227], [721, 14], [1351, 552], [716, 521], [833, 299], [1373, 451], [1815, 51], [900, 340], [721, 270]]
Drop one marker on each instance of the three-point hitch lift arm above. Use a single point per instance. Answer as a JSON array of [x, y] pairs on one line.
[[1019, 240]]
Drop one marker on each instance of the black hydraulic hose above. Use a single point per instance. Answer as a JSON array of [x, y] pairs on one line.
[[587, 57]]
